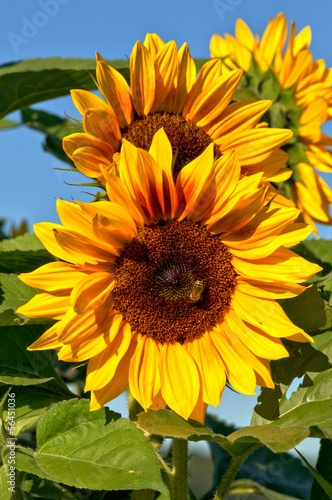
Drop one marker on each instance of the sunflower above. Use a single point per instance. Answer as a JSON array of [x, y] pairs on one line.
[[194, 111], [169, 288], [300, 89]]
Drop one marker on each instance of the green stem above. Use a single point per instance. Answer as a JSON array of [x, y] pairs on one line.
[[179, 484], [231, 472]]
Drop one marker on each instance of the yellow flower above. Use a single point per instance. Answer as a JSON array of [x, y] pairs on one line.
[[169, 288], [301, 90], [194, 111]]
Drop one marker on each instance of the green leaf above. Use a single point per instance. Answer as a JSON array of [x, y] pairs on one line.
[[309, 407], [95, 450], [30, 405], [13, 293], [23, 254], [28, 82], [324, 468], [309, 311], [171, 425], [18, 366], [270, 86], [5, 493], [327, 487]]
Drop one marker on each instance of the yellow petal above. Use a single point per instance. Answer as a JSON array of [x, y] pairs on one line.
[[102, 368], [185, 80], [239, 372], [84, 100], [46, 305], [53, 276], [265, 314], [103, 124], [211, 368], [177, 364], [281, 265], [49, 340], [144, 376], [92, 291]]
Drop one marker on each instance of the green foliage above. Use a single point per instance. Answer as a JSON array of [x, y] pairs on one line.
[[28, 82], [324, 469], [96, 450]]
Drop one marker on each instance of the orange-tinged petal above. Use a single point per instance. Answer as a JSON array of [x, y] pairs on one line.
[[103, 124], [153, 43], [185, 80], [73, 142], [166, 63], [207, 75], [177, 364], [214, 99], [142, 78], [90, 162], [191, 180], [144, 376], [116, 91]]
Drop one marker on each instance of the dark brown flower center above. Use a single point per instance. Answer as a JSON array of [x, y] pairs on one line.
[[174, 281], [188, 141]]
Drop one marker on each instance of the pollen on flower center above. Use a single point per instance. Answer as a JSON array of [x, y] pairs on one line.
[[156, 275], [187, 139]]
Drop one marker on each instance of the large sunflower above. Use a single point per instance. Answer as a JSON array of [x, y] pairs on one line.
[[302, 95], [194, 111], [169, 287]]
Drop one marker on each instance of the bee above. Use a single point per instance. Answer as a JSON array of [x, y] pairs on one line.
[[197, 290]]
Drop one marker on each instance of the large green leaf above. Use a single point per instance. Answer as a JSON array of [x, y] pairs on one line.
[[95, 450], [18, 366], [28, 82], [309, 407], [309, 311], [13, 293], [323, 483], [22, 254]]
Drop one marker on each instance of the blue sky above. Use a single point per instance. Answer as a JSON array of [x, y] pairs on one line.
[[78, 28]]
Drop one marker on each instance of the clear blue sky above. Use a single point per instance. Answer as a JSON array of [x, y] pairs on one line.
[[78, 28]]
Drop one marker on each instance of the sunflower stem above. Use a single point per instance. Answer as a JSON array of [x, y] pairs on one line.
[[179, 484], [231, 472]]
